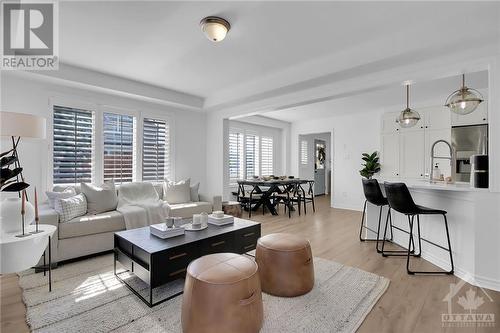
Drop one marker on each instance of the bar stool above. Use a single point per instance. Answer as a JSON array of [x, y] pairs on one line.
[[373, 195], [400, 200]]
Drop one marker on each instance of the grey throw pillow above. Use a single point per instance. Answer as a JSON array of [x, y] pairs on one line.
[[53, 196], [195, 197], [69, 208], [176, 193], [100, 199]]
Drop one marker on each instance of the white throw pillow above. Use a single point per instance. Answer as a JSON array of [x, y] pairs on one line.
[[195, 197], [176, 193], [100, 199], [69, 208], [67, 193]]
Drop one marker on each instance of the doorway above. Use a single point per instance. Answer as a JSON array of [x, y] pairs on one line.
[[315, 160]]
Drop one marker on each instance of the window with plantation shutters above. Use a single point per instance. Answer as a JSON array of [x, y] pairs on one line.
[[267, 167], [118, 149], [235, 157], [155, 150], [303, 152], [72, 145], [251, 156]]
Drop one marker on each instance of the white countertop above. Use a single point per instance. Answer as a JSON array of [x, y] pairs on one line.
[[426, 185]]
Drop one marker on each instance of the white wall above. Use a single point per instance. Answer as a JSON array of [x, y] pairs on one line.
[[31, 95], [353, 135]]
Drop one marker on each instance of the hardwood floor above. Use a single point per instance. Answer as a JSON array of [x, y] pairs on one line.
[[411, 303]]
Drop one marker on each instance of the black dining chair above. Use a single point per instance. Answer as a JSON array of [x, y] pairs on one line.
[[248, 198], [308, 197], [373, 194], [400, 200], [289, 196]]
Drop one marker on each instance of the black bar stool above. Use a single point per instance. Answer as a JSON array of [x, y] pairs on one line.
[[400, 200], [373, 195]]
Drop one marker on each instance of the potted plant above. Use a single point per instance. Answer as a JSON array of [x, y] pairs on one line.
[[371, 165]]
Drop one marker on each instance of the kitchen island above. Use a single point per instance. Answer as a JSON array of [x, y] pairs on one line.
[[474, 228]]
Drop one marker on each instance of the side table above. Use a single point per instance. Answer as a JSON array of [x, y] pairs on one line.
[[18, 254], [232, 208]]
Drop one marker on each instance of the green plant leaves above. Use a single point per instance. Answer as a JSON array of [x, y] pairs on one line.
[[371, 165]]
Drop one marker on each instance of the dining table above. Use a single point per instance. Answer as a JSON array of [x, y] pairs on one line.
[[266, 189]]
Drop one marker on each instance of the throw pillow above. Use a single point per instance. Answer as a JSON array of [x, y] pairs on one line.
[[195, 197], [176, 193], [52, 196], [100, 199], [69, 208]]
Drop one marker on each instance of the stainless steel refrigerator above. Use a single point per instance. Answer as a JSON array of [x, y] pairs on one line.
[[467, 141]]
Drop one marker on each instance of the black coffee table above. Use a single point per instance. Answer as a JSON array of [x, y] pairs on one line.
[[158, 261]]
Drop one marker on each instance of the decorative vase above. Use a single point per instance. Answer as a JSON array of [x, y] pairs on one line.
[[10, 215]]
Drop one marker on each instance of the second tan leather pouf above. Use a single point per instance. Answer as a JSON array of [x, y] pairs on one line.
[[285, 265], [222, 295]]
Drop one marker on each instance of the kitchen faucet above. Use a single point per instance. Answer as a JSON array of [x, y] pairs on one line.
[[451, 158]]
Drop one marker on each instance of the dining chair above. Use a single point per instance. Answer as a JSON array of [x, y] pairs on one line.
[[308, 196]]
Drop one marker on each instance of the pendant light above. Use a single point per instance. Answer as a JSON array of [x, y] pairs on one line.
[[464, 100], [215, 28], [408, 117]]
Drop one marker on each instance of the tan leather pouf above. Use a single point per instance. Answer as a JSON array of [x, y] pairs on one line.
[[222, 295], [285, 265]]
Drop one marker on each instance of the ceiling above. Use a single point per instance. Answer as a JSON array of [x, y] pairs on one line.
[[160, 43], [392, 98]]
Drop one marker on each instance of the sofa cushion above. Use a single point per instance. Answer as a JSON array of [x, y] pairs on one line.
[[195, 196], [100, 199], [69, 208], [176, 193], [67, 192], [189, 208], [92, 224]]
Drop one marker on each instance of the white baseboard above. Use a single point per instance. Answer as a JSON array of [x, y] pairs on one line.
[[347, 206]]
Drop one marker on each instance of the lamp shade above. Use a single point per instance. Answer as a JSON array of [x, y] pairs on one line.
[[22, 124]]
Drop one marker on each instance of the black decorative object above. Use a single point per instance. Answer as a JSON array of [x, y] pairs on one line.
[[11, 175]]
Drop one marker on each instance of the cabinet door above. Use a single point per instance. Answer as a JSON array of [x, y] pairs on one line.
[[389, 122], [441, 149], [389, 155], [437, 118], [412, 152], [479, 116]]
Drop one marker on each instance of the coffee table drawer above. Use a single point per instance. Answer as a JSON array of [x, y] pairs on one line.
[[222, 243], [246, 239]]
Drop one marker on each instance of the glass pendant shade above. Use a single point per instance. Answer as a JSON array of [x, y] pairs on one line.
[[408, 117], [465, 100]]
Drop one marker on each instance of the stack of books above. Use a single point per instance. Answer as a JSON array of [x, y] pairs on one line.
[[162, 231], [225, 219]]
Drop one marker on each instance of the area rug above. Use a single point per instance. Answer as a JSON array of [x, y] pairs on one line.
[[87, 297]]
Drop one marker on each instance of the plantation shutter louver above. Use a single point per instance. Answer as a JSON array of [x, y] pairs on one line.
[[235, 156], [155, 150], [72, 145], [267, 156], [251, 156], [118, 133]]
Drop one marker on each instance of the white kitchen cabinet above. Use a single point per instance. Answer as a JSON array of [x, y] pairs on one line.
[[389, 124], [438, 117], [441, 149], [479, 116], [389, 158], [412, 154]]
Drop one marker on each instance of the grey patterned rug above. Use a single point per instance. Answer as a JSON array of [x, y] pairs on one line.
[[86, 297]]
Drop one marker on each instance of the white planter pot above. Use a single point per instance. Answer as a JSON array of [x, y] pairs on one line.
[[10, 215]]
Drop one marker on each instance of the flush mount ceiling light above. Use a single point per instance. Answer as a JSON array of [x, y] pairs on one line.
[[408, 117], [464, 100], [215, 28]]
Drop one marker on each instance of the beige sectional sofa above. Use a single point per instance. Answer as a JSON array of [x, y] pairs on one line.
[[90, 234]]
